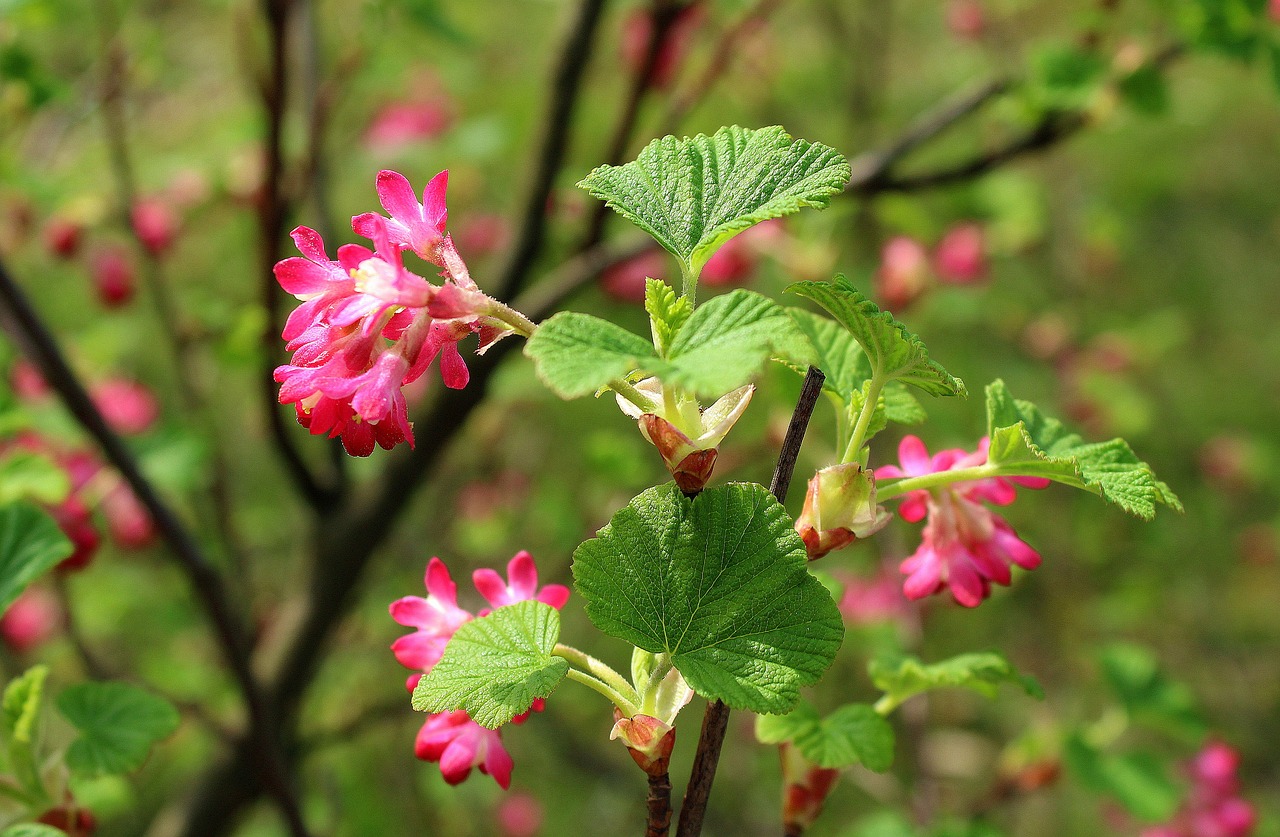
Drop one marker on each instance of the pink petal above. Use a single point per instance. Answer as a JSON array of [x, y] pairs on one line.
[[352, 255], [457, 759], [522, 577], [397, 198], [303, 278], [412, 612], [433, 201], [453, 369], [363, 224], [914, 456], [967, 587], [419, 650], [1017, 550], [914, 506], [309, 244], [498, 763], [555, 595], [491, 586], [439, 583]]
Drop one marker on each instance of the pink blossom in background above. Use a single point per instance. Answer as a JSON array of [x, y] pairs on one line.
[[637, 30], [904, 272], [31, 620], [112, 273], [401, 123], [452, 738], [625, 280], [966, 546], [519, 815], [62, 237], [960, 257], [736, 260], [484, 233], [27, 382], [74, 519], [128, 406], [1213, 806], [966, 19], [127, 519], [155, 223], [1274, 9], [873, 600]]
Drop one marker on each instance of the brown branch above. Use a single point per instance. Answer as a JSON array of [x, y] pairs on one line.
[[570, 70], [30, 333], [716, 720], [658, 804], [721, 59]]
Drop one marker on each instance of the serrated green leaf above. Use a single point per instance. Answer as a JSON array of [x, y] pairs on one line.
[[718, 582], [905, 677], [1147, 694], [21, 704], [726, 342], [1027, 442], [577, 354], [853, 734], [117, 722], [495, 667], [894, 353], [34, 477], [1135, 780], [667, 312], [30, 544], [692, 195]]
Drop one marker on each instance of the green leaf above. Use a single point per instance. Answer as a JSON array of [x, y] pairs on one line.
[[21, 705], [577, 354], [1024, 441], [117, 722], [495, 667], [853, 734], [720, 583], [1148, 696], [32, 829], [895, 353], [692, 195], [31, 476], [667, 312], [30, 543], [905, 677], [1136, 780], [1145, 89], [726, 342]]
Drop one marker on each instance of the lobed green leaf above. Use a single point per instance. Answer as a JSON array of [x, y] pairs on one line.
[[720, 583], [1025, 441], [30, 544], [577, 354], [904, 677], [1135, 780], [117, 722], [853, 734], [893, 352], [694, 194], [495, 667]]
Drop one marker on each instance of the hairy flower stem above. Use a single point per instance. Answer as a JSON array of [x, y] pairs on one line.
[[716, 721], [600, 670], [854, 450], [889, 490], [597, 685]]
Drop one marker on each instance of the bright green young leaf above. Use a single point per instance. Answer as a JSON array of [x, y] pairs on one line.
[[667, 312], [30, 544], [21, 704], [903, 678], [853, 734], [895, 353], [117, 722], [495, 667], [1148, 695], [727, 341], [692, 195], [32, 829], [718, 582], [1025, 441], [577, 354], [1135, 780], [31, 476]]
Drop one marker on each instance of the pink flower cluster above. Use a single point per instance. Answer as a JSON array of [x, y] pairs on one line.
[[452, 738], [368, 326], [966, 546], [906, 270], [1213, 808]]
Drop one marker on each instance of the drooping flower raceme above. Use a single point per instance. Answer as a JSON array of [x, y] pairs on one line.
[[966, 546], [452, 739], [367, 325]]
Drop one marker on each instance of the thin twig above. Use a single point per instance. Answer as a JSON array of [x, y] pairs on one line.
[[716, 720], [570, 70], [658, 804], [30, 333]]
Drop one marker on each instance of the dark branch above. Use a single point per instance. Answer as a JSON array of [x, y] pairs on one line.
[[716, 721]]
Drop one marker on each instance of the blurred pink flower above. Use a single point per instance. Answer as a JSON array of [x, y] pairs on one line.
[[27, 382], [966, 19], [519, 815], [871, 601], [155, 223], [637, 30], [62, 237], [400, 123], [459, 744], [31, 620], [127, 519], [1213, 807], [966, 546], [903, 273], [112, 275], [484, 233], [625, 280], [435, 618], [1274, 9], [960, 258], [128, 406]]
